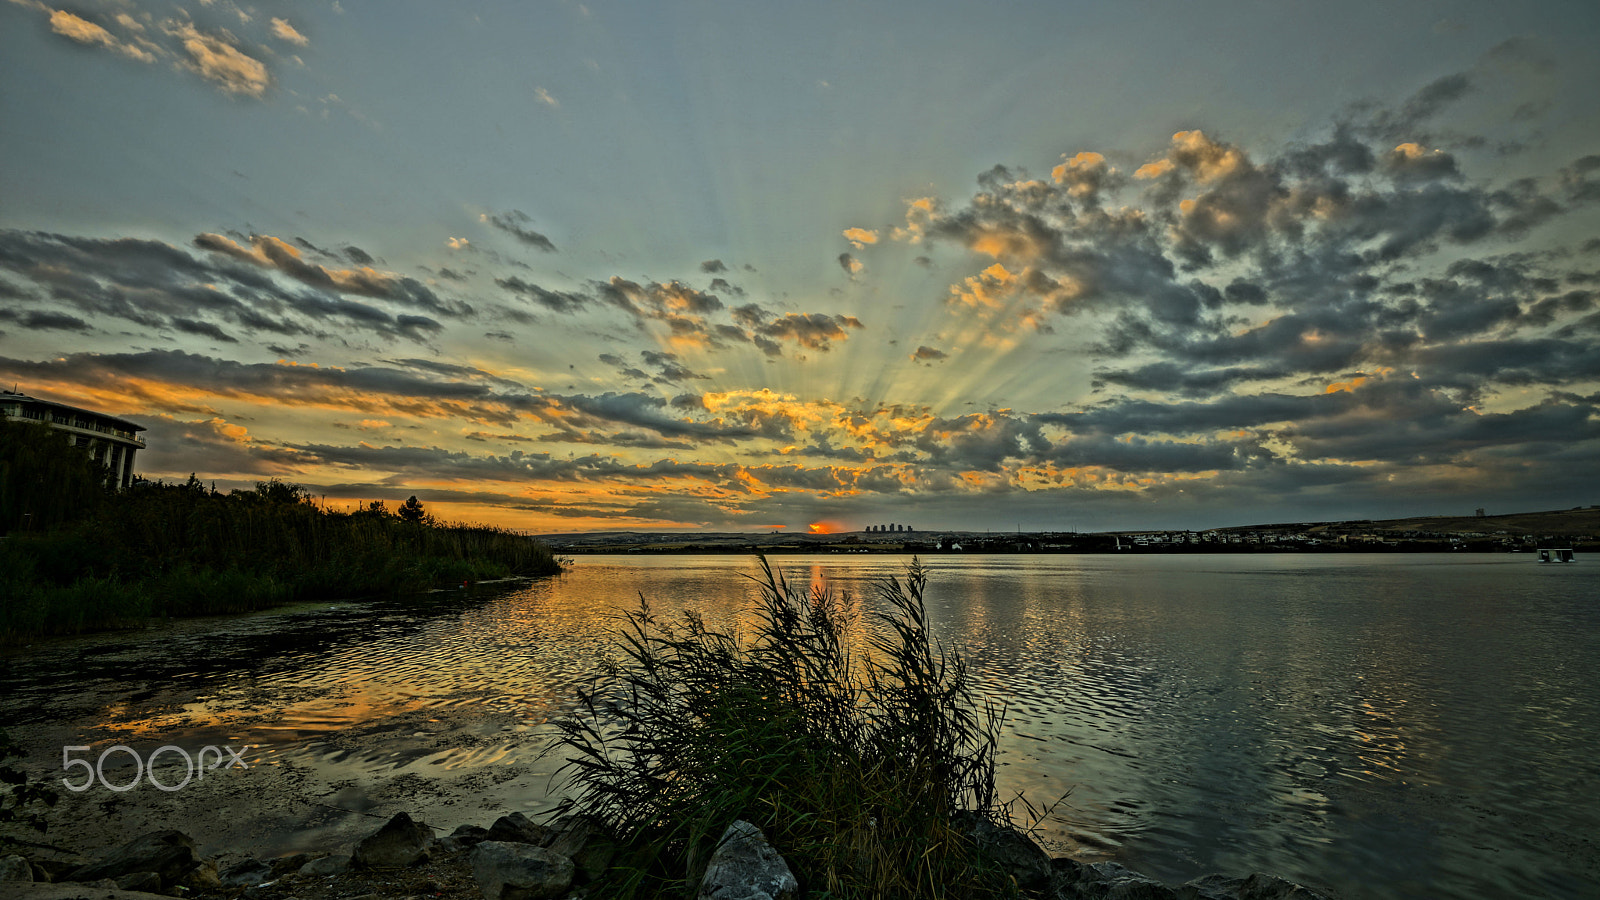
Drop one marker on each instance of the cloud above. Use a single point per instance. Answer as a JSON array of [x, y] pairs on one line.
[[929, 353], [813, 331], [154, 285], [88, 33], [669, 369], [713, 266], [44, 320], [216, 58], [860, 237], [283, 31], [273, 253], [850, 264], [515, 224], [554, 301]]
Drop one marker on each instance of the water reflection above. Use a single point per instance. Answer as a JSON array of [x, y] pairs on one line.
[[1378, 726]]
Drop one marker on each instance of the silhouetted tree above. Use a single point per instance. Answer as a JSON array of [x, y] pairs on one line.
[[412, 511]]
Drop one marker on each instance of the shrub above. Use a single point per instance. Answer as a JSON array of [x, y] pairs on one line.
[[857, 766]]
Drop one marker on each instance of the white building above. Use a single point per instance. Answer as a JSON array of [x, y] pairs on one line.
[[111, 441]]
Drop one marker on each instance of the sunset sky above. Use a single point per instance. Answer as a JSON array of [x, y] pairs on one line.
[[744, 265]]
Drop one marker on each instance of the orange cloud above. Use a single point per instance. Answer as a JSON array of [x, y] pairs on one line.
[[860, 237], [283, 31], [215, 58]]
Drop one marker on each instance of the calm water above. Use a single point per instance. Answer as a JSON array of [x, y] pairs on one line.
[[1376, 726]]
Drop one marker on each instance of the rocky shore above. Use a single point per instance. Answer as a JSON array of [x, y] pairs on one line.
[[516, 858]]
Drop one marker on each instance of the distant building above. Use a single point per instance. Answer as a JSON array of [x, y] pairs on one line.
[[111, 441], [1480, 512]]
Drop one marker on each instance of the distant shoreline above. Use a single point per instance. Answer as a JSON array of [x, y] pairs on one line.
[[1196, 550], [1578, 528]]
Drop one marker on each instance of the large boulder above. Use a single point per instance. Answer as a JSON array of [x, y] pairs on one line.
[[516, 828], [15, 868], [745, 867], [400, 842], [511, 870], [170, 854], [586, 841], [1012, 851]]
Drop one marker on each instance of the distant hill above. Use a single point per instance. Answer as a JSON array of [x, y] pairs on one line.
[[1577, 521]]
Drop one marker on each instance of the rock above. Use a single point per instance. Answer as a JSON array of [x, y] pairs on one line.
[[1072, 880], [1013, 851], [511, 870], [516, 828], [56, 868], [745, 867], [327, 865], [139, 881], [15, 868], [400, 842], [1270, 887], [1211, 887], [465, 837], [169, 853], [587, 842], [203, 878], [244, 873], [105, 890], [283, 865]]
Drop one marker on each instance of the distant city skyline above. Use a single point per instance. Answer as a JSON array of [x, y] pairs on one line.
[[754, 266]]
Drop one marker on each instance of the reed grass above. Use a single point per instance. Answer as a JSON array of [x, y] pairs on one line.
[[858, 765]]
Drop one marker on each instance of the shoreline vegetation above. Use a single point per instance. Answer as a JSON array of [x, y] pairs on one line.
[[79, 557], [865, 765]]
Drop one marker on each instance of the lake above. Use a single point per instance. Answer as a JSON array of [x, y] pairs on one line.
[[1372, 725]]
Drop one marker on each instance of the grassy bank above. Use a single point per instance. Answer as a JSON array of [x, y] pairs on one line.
[[84, 558], [864, 770]]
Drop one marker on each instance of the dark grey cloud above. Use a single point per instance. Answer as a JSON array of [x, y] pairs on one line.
[[515, 223], [203, 329], [231, 291], [814, 331], [1407, 120], [270, 252], [723, 285], [555, 301], [712, 266], [44, 320]]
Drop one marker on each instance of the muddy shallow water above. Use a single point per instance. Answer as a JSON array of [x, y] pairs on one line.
[[1387, 726]]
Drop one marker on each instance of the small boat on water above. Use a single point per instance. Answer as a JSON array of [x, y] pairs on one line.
[[1556, 554]]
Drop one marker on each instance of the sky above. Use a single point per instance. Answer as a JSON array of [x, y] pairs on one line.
[[817, 266]]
